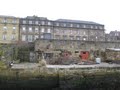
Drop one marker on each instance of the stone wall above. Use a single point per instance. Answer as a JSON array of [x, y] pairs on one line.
[[75, 45]]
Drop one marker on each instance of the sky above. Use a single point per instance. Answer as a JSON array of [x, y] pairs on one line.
[[105, 12]]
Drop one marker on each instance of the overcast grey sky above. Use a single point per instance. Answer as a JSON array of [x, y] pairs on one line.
[[101, 11]]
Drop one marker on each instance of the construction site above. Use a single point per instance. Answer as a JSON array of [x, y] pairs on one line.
[[73, 52]]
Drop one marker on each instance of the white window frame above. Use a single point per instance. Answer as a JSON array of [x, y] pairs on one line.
[[36, 22], [36, 37], [30, 38], [64, 25], [24, 29], [71, 32], [96, 37], [71, 25], [49, 23], [4, 20], [30, 29], [13, 37], [43, 22], [5, 28], [30, 22], [84, 26], [78, 25], [96, 27], [78, 37], [41, 36], [64, 37], [71, 37], [4, 37], [23, 37], [100, 27], [84, 39], [48, 30], [91, 27], [84, 33], [42, 30], [14, 28], [14, 21], [36, 30], [24, 21], [57, 24]]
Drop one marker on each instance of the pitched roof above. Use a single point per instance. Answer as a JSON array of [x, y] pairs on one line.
[[77, 21], [8, 16]]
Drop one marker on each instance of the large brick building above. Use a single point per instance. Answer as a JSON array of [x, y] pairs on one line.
[[9, 29], [33, 27]]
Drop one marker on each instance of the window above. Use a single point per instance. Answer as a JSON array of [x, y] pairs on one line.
[[29, 38], [49, 23], [91, 33], [78, 32], [62, 31], [4, 20], [57, 24], [71, 25], [13, 37], [30, 29], [24, 21], [96, 37], [100, 27], [96, 27], [84, 33], [23, 28], [36, 22], [36, 37], [43, 22], [30, 22], [4, 28], [64, 24], [78, 37], [41, 36], [84, 39], [91, 27], [71, 32], [84, 26], [14, 28], [23, 37], [36, 29], [78, 26], [71, 37], [65, 31], [14, 21], [116, 34], [48, 30], [57, 36], [74, 31], [64, 37], [42, 30], [57, 31], [4, 37]]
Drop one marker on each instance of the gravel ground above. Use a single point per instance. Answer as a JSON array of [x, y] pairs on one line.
[[35, 65]]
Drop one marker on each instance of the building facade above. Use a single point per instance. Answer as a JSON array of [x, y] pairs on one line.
[[9, 29], [33, 27], [78, 30], [113, 36]]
